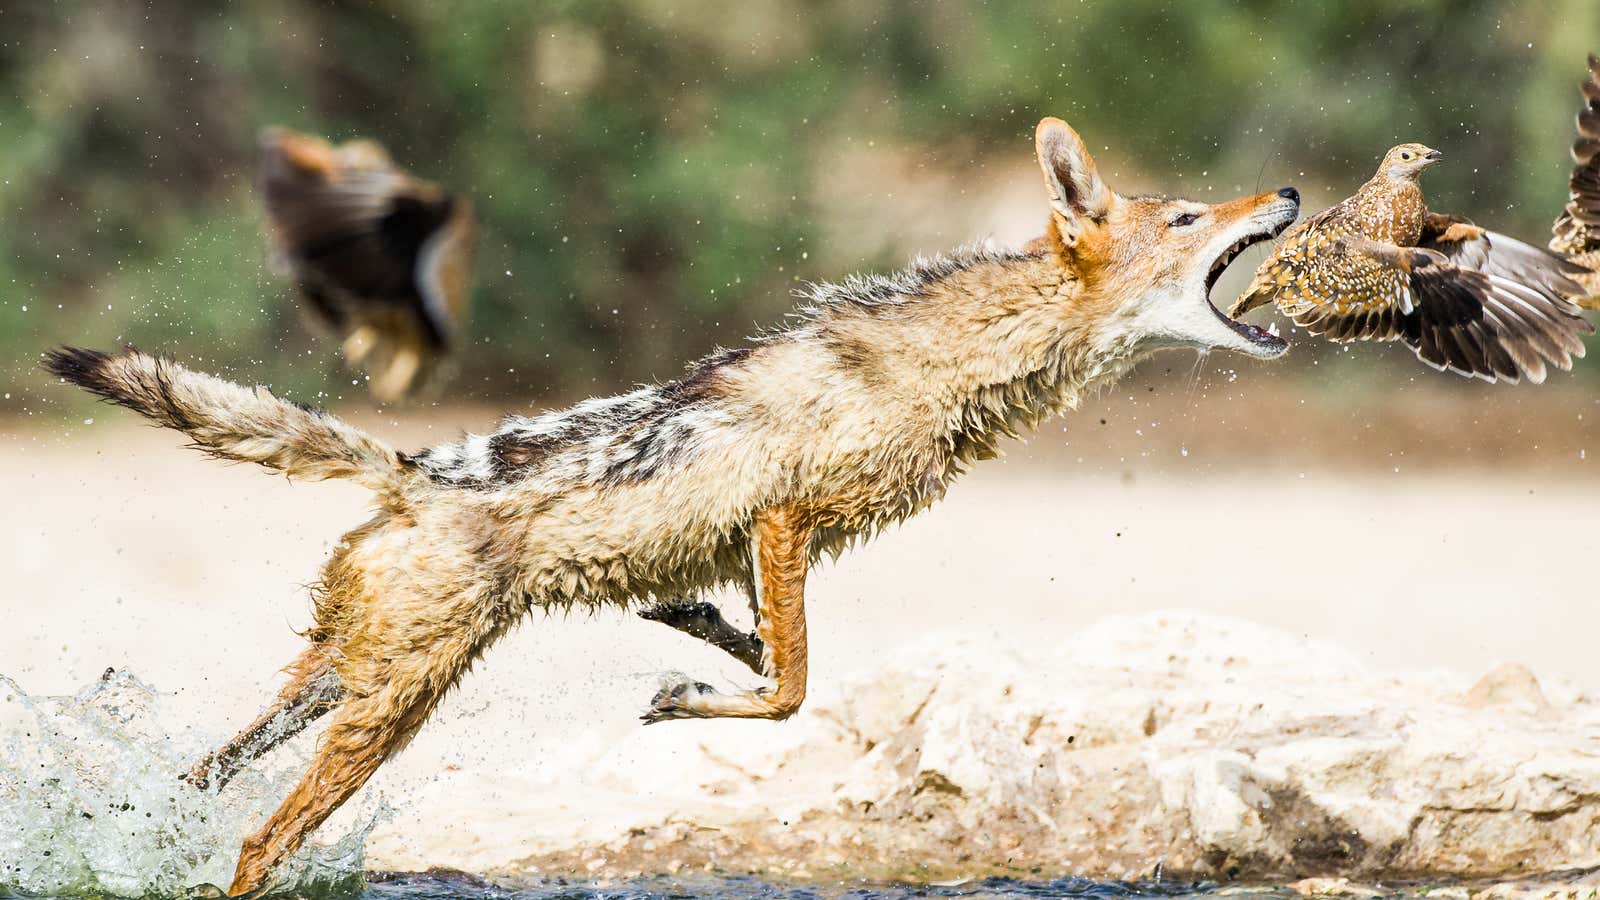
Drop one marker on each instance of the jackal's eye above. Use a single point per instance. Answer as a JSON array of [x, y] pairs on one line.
[[1184, 219]]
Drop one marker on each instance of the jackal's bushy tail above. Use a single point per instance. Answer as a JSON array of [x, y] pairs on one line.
[[231, 421]]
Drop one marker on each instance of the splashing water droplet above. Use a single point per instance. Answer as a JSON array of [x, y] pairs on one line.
[[91, 803]]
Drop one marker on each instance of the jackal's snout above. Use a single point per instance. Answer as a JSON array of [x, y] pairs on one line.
[[1263, 218]]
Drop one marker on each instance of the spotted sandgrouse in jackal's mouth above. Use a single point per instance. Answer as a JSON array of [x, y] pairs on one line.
[[1379, 266]]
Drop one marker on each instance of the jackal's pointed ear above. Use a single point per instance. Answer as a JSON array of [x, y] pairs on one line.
[[1076, 191]]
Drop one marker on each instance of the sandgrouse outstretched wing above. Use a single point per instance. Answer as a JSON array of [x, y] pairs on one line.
[[383, 259], [1379, 266], [1577, 229]]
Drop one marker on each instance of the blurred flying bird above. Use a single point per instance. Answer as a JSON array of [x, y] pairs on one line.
[[382, 258], [1577, 229], [1379, 266]]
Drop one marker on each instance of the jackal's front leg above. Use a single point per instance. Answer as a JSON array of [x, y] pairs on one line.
[[780, 552]]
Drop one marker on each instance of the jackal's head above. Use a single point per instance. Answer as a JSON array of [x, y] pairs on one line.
[[1146, 265]]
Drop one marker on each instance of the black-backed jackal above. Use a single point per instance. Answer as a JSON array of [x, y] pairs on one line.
[[747, 470]]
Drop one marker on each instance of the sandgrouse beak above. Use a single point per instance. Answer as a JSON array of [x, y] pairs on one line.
[[1431, 157]]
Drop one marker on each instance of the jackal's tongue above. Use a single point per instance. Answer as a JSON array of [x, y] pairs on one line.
[[1255, 334]]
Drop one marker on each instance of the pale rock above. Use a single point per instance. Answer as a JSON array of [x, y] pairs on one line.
[[1208, 747]]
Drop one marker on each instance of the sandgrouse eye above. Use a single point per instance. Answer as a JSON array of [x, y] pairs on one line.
[[1379, 266]]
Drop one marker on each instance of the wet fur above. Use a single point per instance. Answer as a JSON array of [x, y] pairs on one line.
[[861, 411]]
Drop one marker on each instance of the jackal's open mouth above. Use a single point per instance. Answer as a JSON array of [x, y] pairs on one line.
[[1267, 338]]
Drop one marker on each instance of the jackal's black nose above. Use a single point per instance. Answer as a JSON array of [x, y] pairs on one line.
[[1289, 194]]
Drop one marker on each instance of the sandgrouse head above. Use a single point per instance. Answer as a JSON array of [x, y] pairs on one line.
[[1408, 161]]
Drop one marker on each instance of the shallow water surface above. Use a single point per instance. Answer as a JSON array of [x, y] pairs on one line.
[[91, 804], [444, 887]]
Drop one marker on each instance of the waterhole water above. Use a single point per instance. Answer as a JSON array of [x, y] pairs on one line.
[[434, 887], [91, 803]]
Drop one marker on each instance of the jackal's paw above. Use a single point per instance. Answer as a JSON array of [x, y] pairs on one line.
[[678, 699], [681, 613]]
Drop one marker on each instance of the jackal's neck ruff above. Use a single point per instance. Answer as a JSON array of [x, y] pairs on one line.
[[978, 338]]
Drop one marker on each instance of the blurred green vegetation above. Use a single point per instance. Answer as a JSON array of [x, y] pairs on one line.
[[647, 171]]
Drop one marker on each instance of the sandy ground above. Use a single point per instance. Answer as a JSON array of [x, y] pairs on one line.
[[117, 548]]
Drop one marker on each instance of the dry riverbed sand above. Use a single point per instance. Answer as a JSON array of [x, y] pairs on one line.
[[994, 685]]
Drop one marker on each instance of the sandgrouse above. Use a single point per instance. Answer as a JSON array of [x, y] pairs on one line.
[[1577, 229], [1379, 266], [383, 259]]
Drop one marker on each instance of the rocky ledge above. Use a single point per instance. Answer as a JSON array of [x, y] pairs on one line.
[[1196, 746]]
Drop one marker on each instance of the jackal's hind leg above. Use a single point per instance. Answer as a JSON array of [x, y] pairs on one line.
[[780, 555], [365, 732], [312, 690], [704, 621]]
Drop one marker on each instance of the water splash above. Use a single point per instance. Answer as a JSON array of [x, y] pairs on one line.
[[91, 803]]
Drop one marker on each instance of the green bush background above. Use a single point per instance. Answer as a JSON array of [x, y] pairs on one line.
[[645, 169]]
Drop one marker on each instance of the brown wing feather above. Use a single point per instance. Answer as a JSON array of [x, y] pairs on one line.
[[1493, 253], [382, 257], [444, 268], [1536, 286], [1576, 230], [364, 238], [313, 192], [1453, 317]]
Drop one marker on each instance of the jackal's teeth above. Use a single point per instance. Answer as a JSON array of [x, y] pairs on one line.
[[1272, 329], [1227, 257]]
